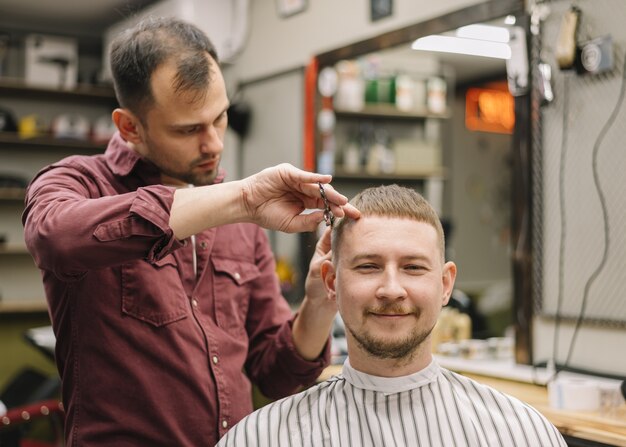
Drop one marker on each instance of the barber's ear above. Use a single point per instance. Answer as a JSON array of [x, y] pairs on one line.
[[128, 125], [327, 271]]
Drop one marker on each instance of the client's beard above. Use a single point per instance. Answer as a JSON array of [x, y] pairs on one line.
[[391, 349]]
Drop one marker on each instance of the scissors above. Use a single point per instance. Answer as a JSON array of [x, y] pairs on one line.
[[329, 217]]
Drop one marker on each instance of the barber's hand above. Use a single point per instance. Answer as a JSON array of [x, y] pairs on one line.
[[316, 314], [275, 198], [314, 285]]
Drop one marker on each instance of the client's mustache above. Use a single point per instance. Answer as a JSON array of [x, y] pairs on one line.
[[391, 309]]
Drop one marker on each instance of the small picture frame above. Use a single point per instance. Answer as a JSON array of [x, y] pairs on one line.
[[380, 9], [288, 8]]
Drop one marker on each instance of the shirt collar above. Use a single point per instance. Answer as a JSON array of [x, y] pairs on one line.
[[390, 385], [122, 160]]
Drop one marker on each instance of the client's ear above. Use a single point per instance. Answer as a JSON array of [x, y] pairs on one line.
[[327, 271], [448, 278]]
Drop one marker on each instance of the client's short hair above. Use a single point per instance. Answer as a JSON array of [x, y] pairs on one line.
[[390, 201]]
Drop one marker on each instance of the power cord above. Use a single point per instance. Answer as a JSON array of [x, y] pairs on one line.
[[564, 141]]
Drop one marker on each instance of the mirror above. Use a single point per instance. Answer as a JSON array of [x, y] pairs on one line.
[[471, 180]]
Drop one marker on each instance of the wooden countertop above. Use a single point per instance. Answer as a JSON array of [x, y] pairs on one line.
[[592, 426]]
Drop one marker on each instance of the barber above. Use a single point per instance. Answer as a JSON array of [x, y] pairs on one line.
[[159, 278]]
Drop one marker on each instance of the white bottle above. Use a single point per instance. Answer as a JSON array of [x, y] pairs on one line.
[[352, 158], [436, 95], [405, 93]]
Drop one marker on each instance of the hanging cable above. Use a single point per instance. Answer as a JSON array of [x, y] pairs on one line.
[[596, 180], [563, 158]]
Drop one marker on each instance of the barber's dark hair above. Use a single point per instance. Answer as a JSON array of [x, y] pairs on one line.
[[138, 51], [390, 201]]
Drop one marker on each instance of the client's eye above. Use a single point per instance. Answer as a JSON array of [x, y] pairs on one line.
[[366, 267], [415, 268]]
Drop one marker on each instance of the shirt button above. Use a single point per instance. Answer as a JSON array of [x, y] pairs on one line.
[[194, 302], [224, 423], [237, 276], [215, 359]]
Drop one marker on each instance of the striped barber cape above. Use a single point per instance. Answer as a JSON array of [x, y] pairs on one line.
[[433, 407]]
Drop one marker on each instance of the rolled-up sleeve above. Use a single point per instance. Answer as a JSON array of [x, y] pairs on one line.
[[74, 223]]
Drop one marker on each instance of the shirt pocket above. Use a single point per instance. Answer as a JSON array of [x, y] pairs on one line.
[[233, 287], [153, 292]]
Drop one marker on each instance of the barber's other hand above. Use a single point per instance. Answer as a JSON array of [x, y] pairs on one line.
[[314, 285], [316, 314], [276, 197]]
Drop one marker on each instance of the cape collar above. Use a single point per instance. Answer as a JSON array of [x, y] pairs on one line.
[[390, 385]]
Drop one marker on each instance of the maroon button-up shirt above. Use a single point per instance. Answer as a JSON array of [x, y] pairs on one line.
[[150, 353]]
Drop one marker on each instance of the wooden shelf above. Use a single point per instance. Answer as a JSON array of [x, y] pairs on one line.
[[11, 139], [13, 249], [12, 87], [388, 111], [12, 194], [25, 306], [20, 298]]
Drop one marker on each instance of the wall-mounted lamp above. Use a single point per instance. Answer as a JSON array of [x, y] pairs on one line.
[[484, 32], [508, 43], [472, 40], [461, 45]]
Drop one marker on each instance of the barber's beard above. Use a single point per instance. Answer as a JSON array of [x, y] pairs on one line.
[[396, 349], [193, 178], [206, 178], [188, 176]]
